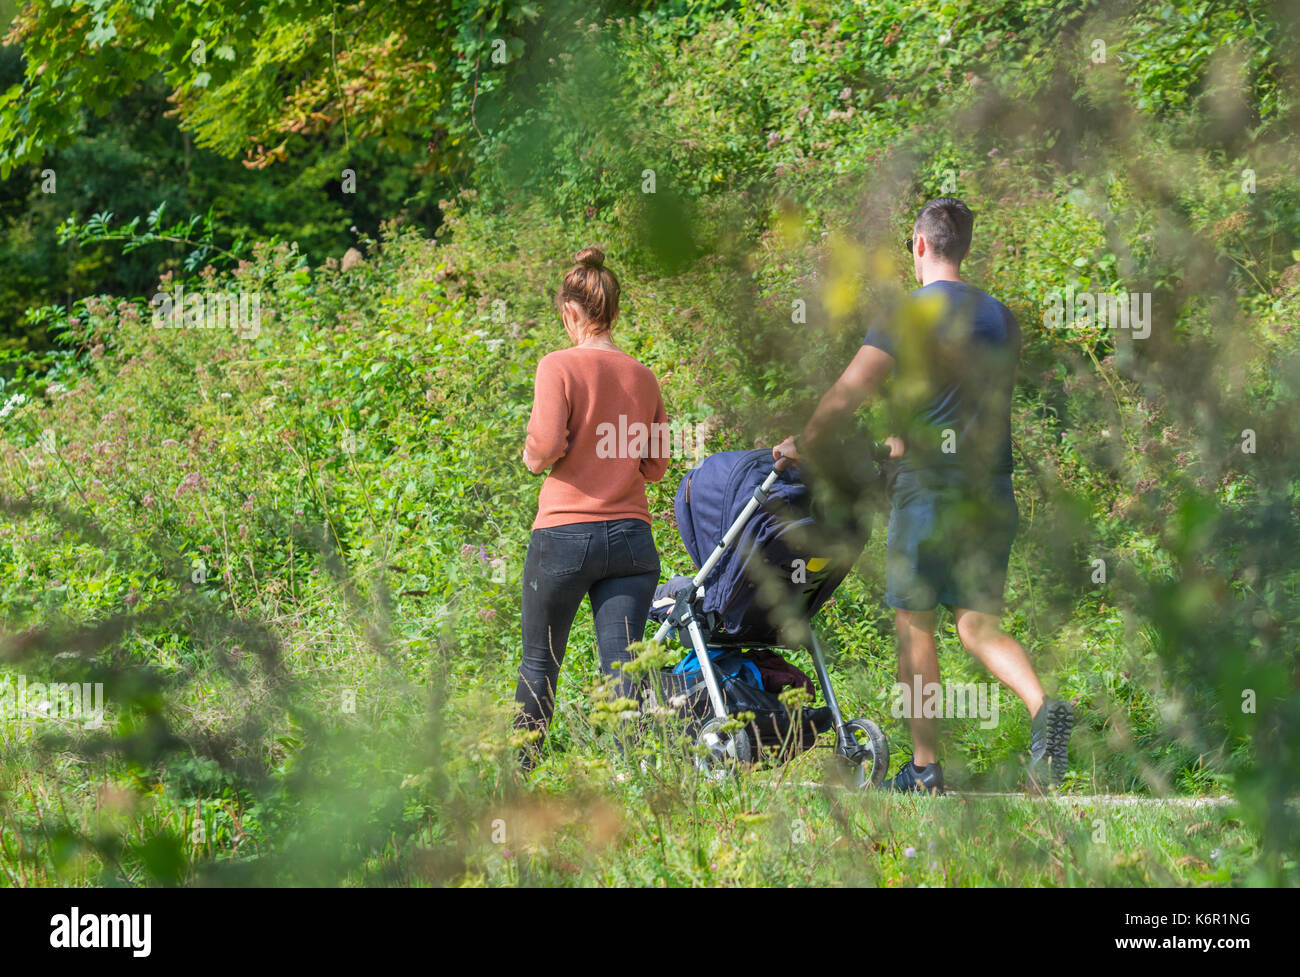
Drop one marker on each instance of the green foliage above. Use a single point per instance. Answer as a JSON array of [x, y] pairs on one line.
[[247, 533]]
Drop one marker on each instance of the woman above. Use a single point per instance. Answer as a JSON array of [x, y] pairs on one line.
[[592, 531]]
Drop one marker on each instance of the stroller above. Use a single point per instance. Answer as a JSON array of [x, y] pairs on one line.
[[769, 556]]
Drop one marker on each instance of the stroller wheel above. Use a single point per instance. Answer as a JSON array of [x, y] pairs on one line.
[[721, 753], [868, 759]]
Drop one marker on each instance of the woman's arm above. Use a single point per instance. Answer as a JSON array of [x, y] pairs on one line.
[[548, 432], [652, 468]]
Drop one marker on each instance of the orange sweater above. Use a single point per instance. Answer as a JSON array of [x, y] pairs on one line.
[[598, 421]]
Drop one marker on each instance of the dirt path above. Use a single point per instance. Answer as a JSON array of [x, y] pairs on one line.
[[1118, 799]]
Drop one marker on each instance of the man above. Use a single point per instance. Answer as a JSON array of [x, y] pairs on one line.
[[952, 350]]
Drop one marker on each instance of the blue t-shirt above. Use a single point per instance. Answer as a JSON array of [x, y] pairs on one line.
[[955, 350]]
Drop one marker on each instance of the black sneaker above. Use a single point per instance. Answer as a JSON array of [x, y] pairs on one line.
[[913, 779], [1048, 742]]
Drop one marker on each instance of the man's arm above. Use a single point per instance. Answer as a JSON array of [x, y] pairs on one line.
[[860, 380]]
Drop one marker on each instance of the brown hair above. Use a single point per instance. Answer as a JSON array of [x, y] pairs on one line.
[[948, 225], [593, 287]]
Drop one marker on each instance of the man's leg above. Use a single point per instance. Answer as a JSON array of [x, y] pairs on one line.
[[1001, 654], [1053, 719], [918, 662]]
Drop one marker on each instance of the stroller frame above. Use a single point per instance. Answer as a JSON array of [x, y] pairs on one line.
[[686, 614]]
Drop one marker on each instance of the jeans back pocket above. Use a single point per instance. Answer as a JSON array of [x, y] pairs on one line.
[[641, 552], [561, 553]]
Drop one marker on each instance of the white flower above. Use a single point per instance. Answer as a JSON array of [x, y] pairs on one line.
[[17, 400]]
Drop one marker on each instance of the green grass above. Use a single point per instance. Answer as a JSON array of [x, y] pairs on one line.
[[328, 701]]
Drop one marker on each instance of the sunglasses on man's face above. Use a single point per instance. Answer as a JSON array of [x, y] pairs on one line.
[[910, 243]]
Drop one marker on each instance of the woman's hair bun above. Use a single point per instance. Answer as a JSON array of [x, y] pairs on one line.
[[591, 257], [592, 286]]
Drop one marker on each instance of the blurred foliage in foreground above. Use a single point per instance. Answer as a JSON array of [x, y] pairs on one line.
[[293, 559]]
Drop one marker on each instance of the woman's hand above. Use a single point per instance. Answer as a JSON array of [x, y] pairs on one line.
[[529, 462], [896, 446]]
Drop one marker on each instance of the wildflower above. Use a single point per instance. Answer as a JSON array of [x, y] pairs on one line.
[[170, 443], [909, 851], [487, 613], [466, 550], [191, 483]]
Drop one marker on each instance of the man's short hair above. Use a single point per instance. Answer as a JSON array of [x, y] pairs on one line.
[[947, 224]]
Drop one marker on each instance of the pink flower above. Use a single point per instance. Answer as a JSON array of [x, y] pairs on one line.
[[190, 483]]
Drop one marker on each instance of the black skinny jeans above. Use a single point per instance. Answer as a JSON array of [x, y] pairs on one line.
[[616, 563]]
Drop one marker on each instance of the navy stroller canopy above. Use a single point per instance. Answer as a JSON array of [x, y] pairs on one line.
[[774, 553]]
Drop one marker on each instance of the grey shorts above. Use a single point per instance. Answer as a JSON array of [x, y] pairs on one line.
[[949, 545]]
